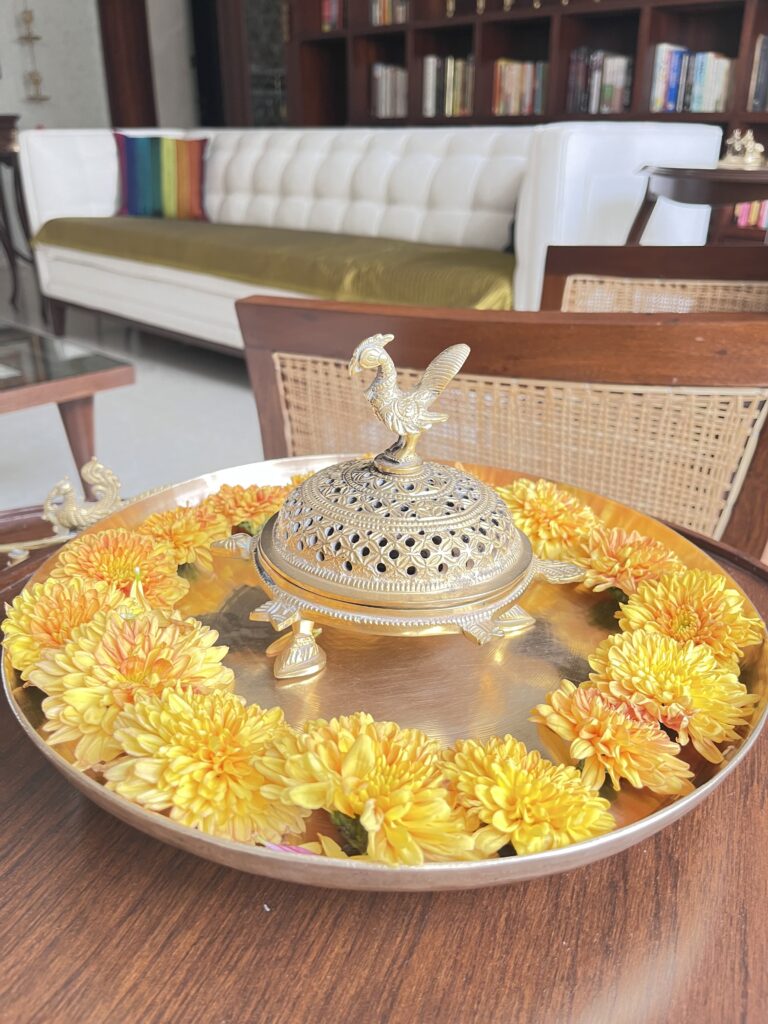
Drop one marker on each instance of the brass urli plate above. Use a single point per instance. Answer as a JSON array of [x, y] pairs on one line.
[[444, 685]]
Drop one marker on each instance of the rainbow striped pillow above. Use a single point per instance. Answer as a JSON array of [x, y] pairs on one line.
[[161, 177]]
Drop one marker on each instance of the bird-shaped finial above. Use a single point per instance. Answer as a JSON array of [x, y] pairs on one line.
[[404, 412]]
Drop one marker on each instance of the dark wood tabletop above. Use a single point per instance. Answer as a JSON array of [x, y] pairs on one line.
[[99, 923], [706, 186]]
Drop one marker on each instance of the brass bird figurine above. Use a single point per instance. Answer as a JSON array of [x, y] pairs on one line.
[[406, 413]]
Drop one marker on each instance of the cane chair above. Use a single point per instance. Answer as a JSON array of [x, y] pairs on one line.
[[656, 279], [568, 400]]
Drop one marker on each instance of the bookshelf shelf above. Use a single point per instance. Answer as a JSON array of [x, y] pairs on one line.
[[329, 73]]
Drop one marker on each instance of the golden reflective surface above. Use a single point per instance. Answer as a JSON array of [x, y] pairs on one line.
[[442, 684]]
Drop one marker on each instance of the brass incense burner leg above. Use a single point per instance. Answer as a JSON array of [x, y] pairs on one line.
[[297, 653]]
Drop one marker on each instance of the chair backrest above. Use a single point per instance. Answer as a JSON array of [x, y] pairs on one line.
[[661, 413], [676, 453], [656, 279]]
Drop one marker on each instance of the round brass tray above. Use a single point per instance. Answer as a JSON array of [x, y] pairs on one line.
[[443, 685]]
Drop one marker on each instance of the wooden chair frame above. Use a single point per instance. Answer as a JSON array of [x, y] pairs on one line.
[[685, 262], [707, 351]]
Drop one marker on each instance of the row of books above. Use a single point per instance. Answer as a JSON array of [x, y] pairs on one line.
[[389, 12], [599, 82], [751, 215], [331, 15], [758, 83], [519, 87], [389, 90], [448, 86], [687, 81]]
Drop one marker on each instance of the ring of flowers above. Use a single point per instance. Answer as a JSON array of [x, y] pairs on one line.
[[138, 696]]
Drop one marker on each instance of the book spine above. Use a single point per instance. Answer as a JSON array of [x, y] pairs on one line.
[[673, 82], [450, 69], [683, 84], [689, 79], [429, 87], [539, 92], [658, 82], [496, 87], [469, 84], [761, 81], [697, 93]]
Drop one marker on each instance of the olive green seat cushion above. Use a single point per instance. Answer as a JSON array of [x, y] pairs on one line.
[[343, 267]]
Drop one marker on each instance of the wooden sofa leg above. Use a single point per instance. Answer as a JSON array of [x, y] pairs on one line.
[[57, 311]]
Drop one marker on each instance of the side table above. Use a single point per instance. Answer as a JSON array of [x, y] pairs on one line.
[[716, 187]]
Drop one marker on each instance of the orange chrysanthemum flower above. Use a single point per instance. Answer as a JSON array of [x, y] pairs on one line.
[[189, 532], [552, 519], [681, 685], [617, 558], [518, 797], [694, 605], [111, 660], [616, 737], [194, 755], [381, 784], [246, 507], [43, 617], [117, 557]]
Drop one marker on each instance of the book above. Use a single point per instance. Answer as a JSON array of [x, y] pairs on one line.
[[599, 82], [389, 91], [518, 87], [693, 82], [758, 85], [673, 79], [448, 86], [388, 12]]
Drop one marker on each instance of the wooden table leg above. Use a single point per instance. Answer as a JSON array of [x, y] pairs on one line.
[[641, 220], [77, 417], [7, 244]]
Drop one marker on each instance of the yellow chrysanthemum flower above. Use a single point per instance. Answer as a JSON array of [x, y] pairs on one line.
[[193, 754], [520, 798], [694, 605], [114, 556], [189, 532], [42, 617], [112, 659], [616, 737], [681, 685], [382, 785], [246, 507], [551, 518], [617, 558]]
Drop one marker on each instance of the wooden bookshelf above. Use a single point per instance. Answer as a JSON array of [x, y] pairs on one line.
[[329, 72]]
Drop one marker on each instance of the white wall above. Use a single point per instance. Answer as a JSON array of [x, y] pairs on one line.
[[171, 48], [68, 57]]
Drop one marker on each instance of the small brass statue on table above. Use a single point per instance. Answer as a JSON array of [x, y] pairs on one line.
[[392, 546], [743, 152]]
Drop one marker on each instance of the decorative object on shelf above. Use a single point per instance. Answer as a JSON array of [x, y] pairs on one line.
[[743, 152], [395, 545], [33, 80]]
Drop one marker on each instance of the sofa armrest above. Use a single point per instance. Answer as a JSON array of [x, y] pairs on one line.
[[68, 174], [583, 186]]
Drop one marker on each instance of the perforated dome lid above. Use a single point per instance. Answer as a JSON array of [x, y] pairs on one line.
[[356, 532]]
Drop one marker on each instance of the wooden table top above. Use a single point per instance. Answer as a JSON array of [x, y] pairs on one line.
[[99, 923]]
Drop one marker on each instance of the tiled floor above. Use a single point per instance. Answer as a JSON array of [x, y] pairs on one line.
[[189, 412]]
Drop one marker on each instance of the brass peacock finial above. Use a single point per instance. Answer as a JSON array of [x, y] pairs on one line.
[[406, 413]]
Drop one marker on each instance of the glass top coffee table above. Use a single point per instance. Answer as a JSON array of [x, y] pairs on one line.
[[37, 369]]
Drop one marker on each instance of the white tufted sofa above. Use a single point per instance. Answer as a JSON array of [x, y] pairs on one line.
[[562, 183]]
